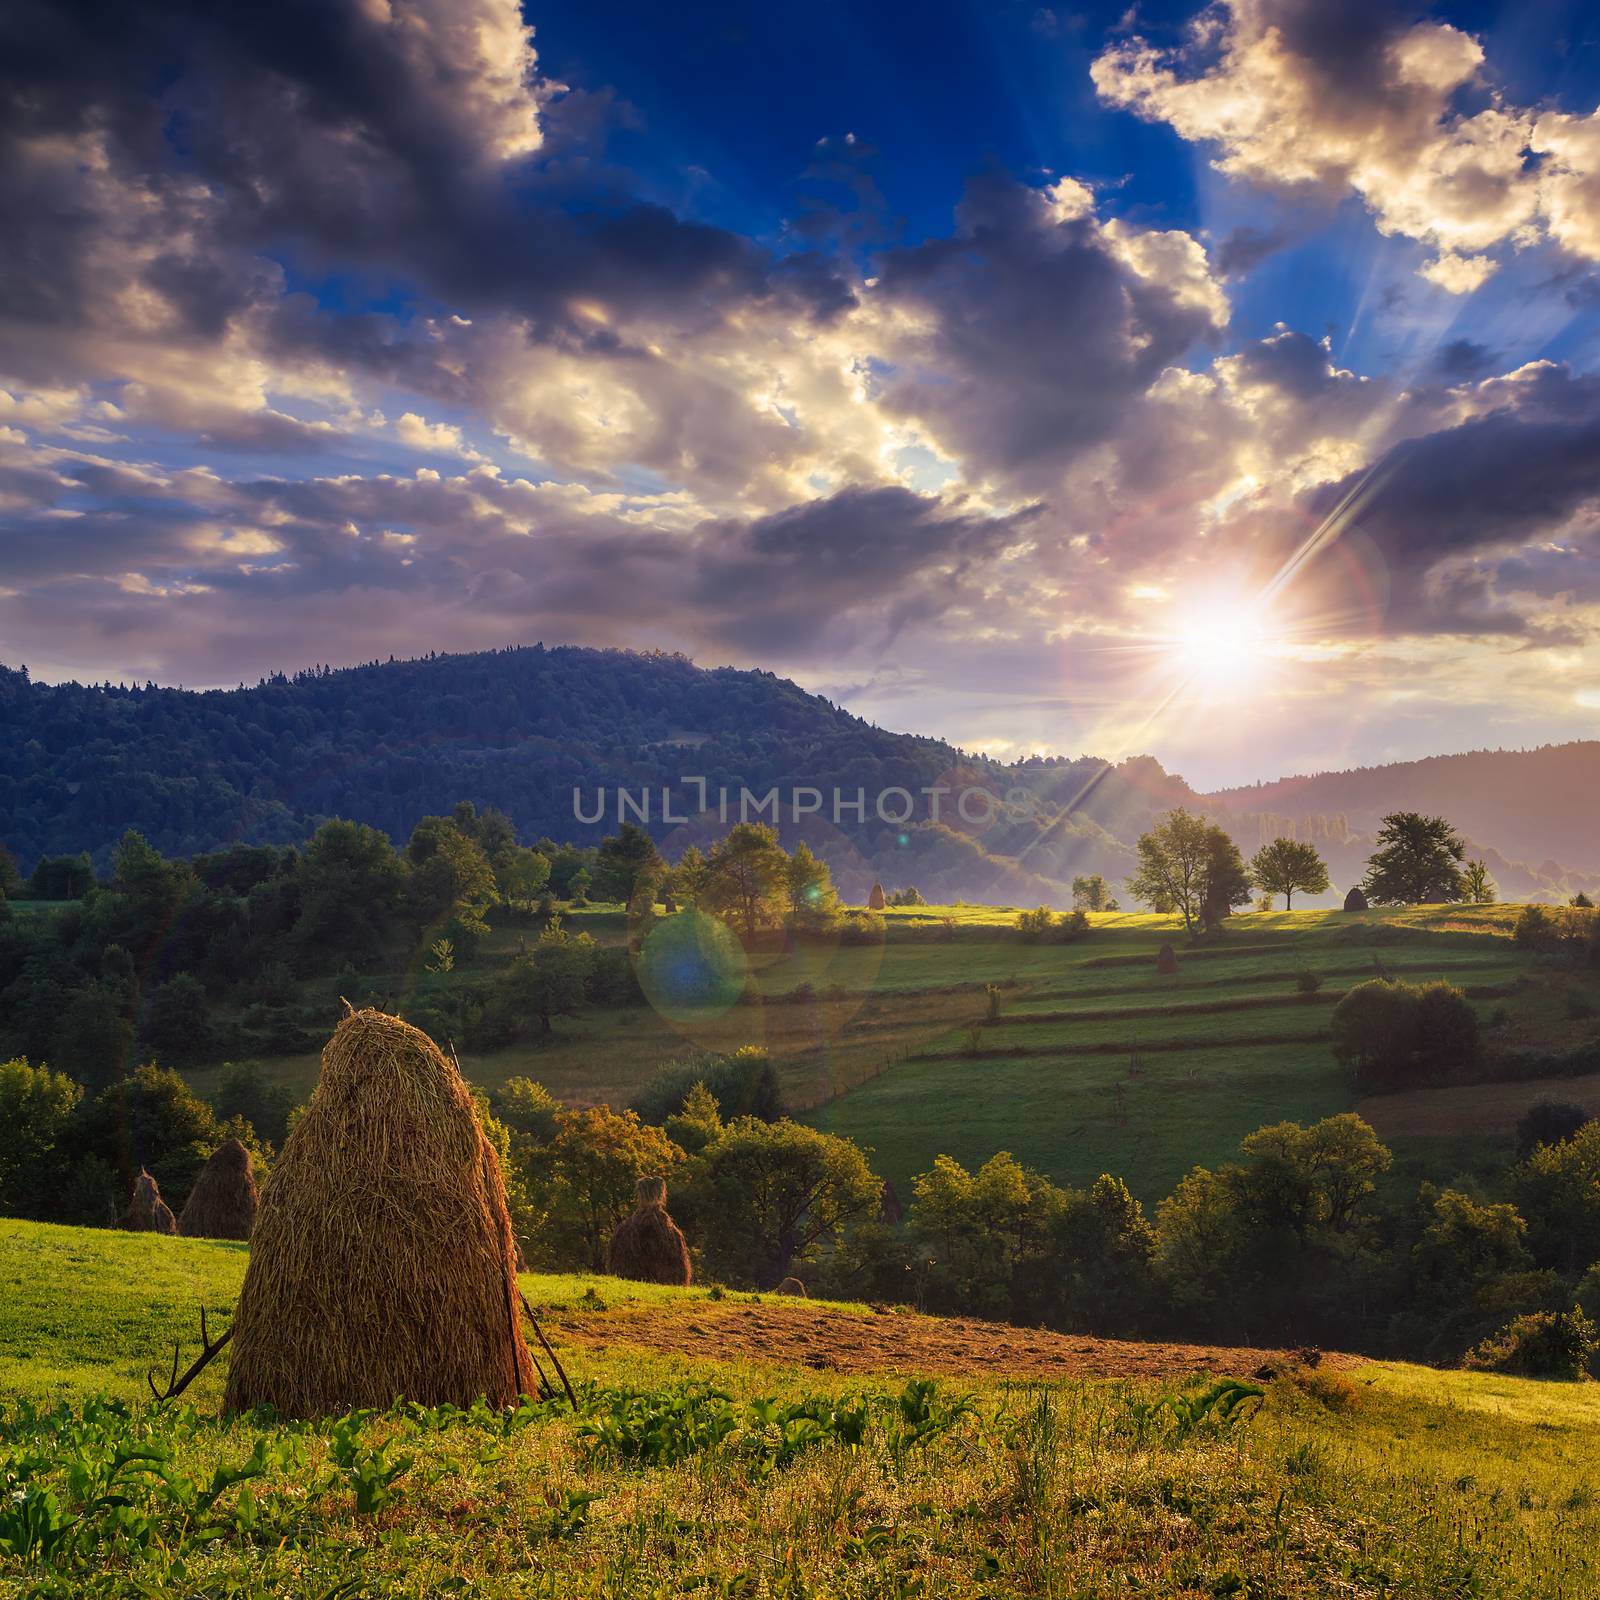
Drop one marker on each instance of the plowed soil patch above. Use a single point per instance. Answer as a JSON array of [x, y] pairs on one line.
[[848, 1341]]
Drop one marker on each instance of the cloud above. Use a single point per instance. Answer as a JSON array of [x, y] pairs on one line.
[[1363, 99]]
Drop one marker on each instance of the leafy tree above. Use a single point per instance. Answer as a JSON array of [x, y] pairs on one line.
[[1465, 1252], [1549, 1122], [350, 882], [452, 884], [527, 1108], [1558, 1190], [152, 1119], [1390, 1034], [1477, 886], [177, 1022], [1288, 866], [549, 980], [1417, 862], [698, 1124], [93, 1039], [1092, 893], [584, 1179], [986, 1237], [1104, 1244], [768, 1195], [36, 1111], [520, 874], [746, 878], [246, 1093], [1190, 866], [1543, 1344], [1271, 1243], [808, 884], [60, 878], [623, 860], [1036, 924]]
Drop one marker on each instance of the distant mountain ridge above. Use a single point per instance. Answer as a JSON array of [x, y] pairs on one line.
[[527, 729]]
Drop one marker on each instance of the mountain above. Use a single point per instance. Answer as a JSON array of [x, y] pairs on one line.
[[568, 742], [1536, 807]]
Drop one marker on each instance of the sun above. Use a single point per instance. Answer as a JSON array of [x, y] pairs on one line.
[[1220, 651]]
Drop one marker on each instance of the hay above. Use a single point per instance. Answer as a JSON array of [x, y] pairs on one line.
[[648, 1245], [222, 1204], [147, 1212], [1355, 900], [792, 1286], [875, 900], [1166, 960], [381, 1263]]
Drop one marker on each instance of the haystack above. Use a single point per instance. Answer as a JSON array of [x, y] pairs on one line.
[[382, 1259], [147, 1212], [1355, 900], [648, 1245], [875, 900], [1166, 960], [792, 1286], [222, 1204]]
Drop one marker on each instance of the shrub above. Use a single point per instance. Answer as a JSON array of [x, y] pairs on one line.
[[1548, 1122], [1544, 1344], [861, 927], [1391, 1035], [744, 1084], [1037, 923], [1307, 982]]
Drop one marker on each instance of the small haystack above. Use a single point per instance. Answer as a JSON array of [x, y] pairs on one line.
[[669, 906], [889, 1206], [1355, 900], [222, 1204], [382, 1258], [147, 1212], [1166, 961], [648, 1245], [876, 900], [792, 1286]]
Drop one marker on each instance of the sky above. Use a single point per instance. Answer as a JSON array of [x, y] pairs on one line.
[[1221, 384]]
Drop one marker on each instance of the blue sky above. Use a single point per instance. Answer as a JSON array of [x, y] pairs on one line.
[[1219, 384]]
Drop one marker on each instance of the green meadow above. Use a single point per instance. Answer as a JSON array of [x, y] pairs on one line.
[[706, 1473]]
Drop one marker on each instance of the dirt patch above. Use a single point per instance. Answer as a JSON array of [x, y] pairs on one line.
[[848, 1341], [1472, 1107]]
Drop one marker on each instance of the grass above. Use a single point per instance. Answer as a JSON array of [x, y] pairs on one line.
[[1380, 1481]]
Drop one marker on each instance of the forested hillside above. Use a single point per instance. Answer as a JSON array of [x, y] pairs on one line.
[[521, 730]]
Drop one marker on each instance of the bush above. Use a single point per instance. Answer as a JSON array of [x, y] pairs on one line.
[[1548, 1122], [744, 1084], [1392, 1035], [1545, 1344], [861, 927], [1036, 924]]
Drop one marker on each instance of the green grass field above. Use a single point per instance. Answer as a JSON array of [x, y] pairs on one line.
[[1376, 1480], [1096, 1062]]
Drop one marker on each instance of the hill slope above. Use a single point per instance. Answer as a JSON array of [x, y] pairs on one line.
[[782, 1477], [547, 735]]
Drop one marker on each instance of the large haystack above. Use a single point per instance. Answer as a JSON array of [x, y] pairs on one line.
[[382, 1259], [792, 1286], [876, 900], [648, 1245], [147, 1212], [1356, 900], [1166, 961], [223, 1202]]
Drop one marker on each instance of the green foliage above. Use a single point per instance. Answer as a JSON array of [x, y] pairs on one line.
[[1287, 867], [778, 1191], [1549, 1122], [1391, 1035], [1544, 1344], [36, 1112], [1418, 861], [743, 1084], [813, 900], [177, 1025], [1558, 1190], [1092, 893], [549, 980], [1192, 867], [93, 1039], [246, 1093], [745, 878], [624, 861], [1477, 886]]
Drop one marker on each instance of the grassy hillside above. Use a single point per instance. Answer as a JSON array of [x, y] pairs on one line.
[[798, 1472], [1096, 1063]]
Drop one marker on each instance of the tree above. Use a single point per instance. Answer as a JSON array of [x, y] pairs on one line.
[[520, 873], [350, 880], [36, 1110], [548, 980], [452, 884], [1558, 1190], [177, 1022], [1549, 1122], [1190, 866], [746, 877], [1391, 1033], [1092, 893], [623, 860], [151, 1119], [1417, 862], [1285, 866], [92, 1038], [10, 876], [584, 1178], [1477, 886], [769, 1194], [247, 1093], [813, 901]]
